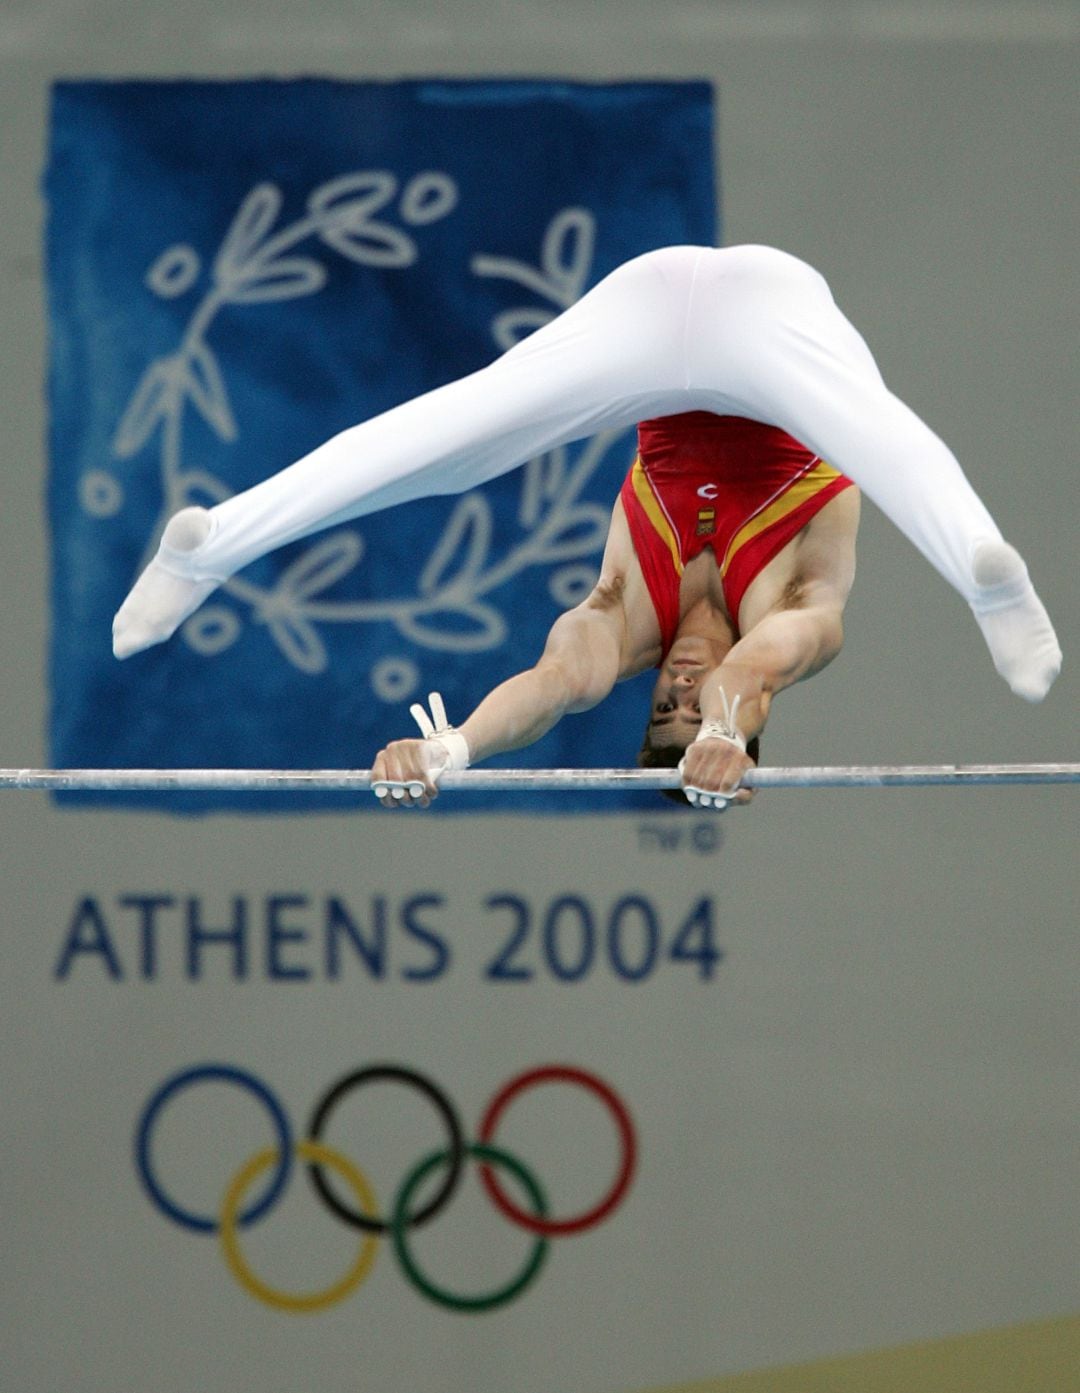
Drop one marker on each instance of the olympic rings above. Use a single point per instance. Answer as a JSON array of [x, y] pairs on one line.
[[555, 1073], [175, 1085], [456, 1153], [499, 1297], [315, 1154], [319, 1157]]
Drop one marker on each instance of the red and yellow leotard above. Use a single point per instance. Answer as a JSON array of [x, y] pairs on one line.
[[743, 488]]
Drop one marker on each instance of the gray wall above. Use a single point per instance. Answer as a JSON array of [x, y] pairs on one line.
[[923, 158]]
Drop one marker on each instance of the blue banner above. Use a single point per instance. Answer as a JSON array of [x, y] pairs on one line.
[[238, 270]]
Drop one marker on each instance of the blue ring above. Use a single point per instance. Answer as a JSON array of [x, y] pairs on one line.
[[227, 1074]]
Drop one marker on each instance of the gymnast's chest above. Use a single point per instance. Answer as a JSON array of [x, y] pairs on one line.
[[701, 583]]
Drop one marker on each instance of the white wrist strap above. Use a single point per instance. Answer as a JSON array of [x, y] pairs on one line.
[[714, 729], [437, 727], [724, 729]]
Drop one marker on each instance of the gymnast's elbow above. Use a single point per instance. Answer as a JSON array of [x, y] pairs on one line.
[[792, 645], [581, 657], [577, 684], [830, 635], [819, 643]]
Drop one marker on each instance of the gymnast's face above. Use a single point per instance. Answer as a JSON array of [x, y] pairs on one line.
[[675, 713]]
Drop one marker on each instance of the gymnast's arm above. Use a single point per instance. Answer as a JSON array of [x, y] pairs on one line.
[[578, 668], [785, 647], [793, 627]]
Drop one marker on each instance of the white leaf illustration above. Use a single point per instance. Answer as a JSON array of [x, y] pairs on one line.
[[542, 479], [565, 260], [206, 388], [512, 326], [468, 533], [428, 196], [155, 397], [321, 567], [212, 630], [568, 251], [254, 219], [506, 268], [299, 641], [581, 530], [376, 245], [285, 278], [175, 271], [484, 628], [344, 207]]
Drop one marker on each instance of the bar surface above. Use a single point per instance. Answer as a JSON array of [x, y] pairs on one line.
[[535, 780]]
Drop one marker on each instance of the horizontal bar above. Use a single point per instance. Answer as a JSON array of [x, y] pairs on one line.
[[536, 780]]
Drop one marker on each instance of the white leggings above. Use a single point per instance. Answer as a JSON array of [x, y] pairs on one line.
[[744, 331]]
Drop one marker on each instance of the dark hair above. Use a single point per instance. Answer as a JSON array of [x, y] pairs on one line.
[[668, 757]]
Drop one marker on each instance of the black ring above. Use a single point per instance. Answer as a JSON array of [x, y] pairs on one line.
[[455, 1151]]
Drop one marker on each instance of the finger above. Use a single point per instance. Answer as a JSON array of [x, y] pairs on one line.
[[382, 778], [416, 795], [390, 792], [706, 798], [399, 766], [422, 719], [381, 788], [438, 710], [402, 793]]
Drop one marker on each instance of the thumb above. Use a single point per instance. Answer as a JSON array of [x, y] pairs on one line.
[[435, 757]]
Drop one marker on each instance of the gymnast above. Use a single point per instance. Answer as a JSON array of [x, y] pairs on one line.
[[731, 548]]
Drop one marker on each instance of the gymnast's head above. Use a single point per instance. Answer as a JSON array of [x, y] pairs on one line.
[[675, 705]]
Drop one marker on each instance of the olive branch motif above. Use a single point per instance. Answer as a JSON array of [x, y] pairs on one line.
[[450, 609]]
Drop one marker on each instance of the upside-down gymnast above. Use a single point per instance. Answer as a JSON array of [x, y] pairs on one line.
[[731, 548]]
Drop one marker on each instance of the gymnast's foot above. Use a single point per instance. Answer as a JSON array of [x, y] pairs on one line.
[[163, 596], [1013, 621]]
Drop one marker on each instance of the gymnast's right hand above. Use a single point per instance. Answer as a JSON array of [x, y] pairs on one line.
[[406, 773]]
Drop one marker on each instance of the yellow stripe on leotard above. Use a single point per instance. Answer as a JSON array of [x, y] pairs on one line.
[[644, 494], [797, 493]]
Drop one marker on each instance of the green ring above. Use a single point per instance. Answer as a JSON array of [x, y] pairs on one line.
[[399, 1226]]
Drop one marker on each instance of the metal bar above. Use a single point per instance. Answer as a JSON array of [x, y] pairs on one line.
[[535, 780]]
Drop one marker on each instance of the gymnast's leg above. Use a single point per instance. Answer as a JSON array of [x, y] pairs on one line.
[[607, 361], [766, 328]]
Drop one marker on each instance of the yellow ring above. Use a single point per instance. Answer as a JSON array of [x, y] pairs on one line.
[[298, 1302]]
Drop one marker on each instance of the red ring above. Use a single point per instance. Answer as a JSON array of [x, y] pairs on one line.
[[560, 1073]]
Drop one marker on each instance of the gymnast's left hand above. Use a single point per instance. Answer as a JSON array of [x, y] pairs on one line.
[[406, 773], [711, 771]]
